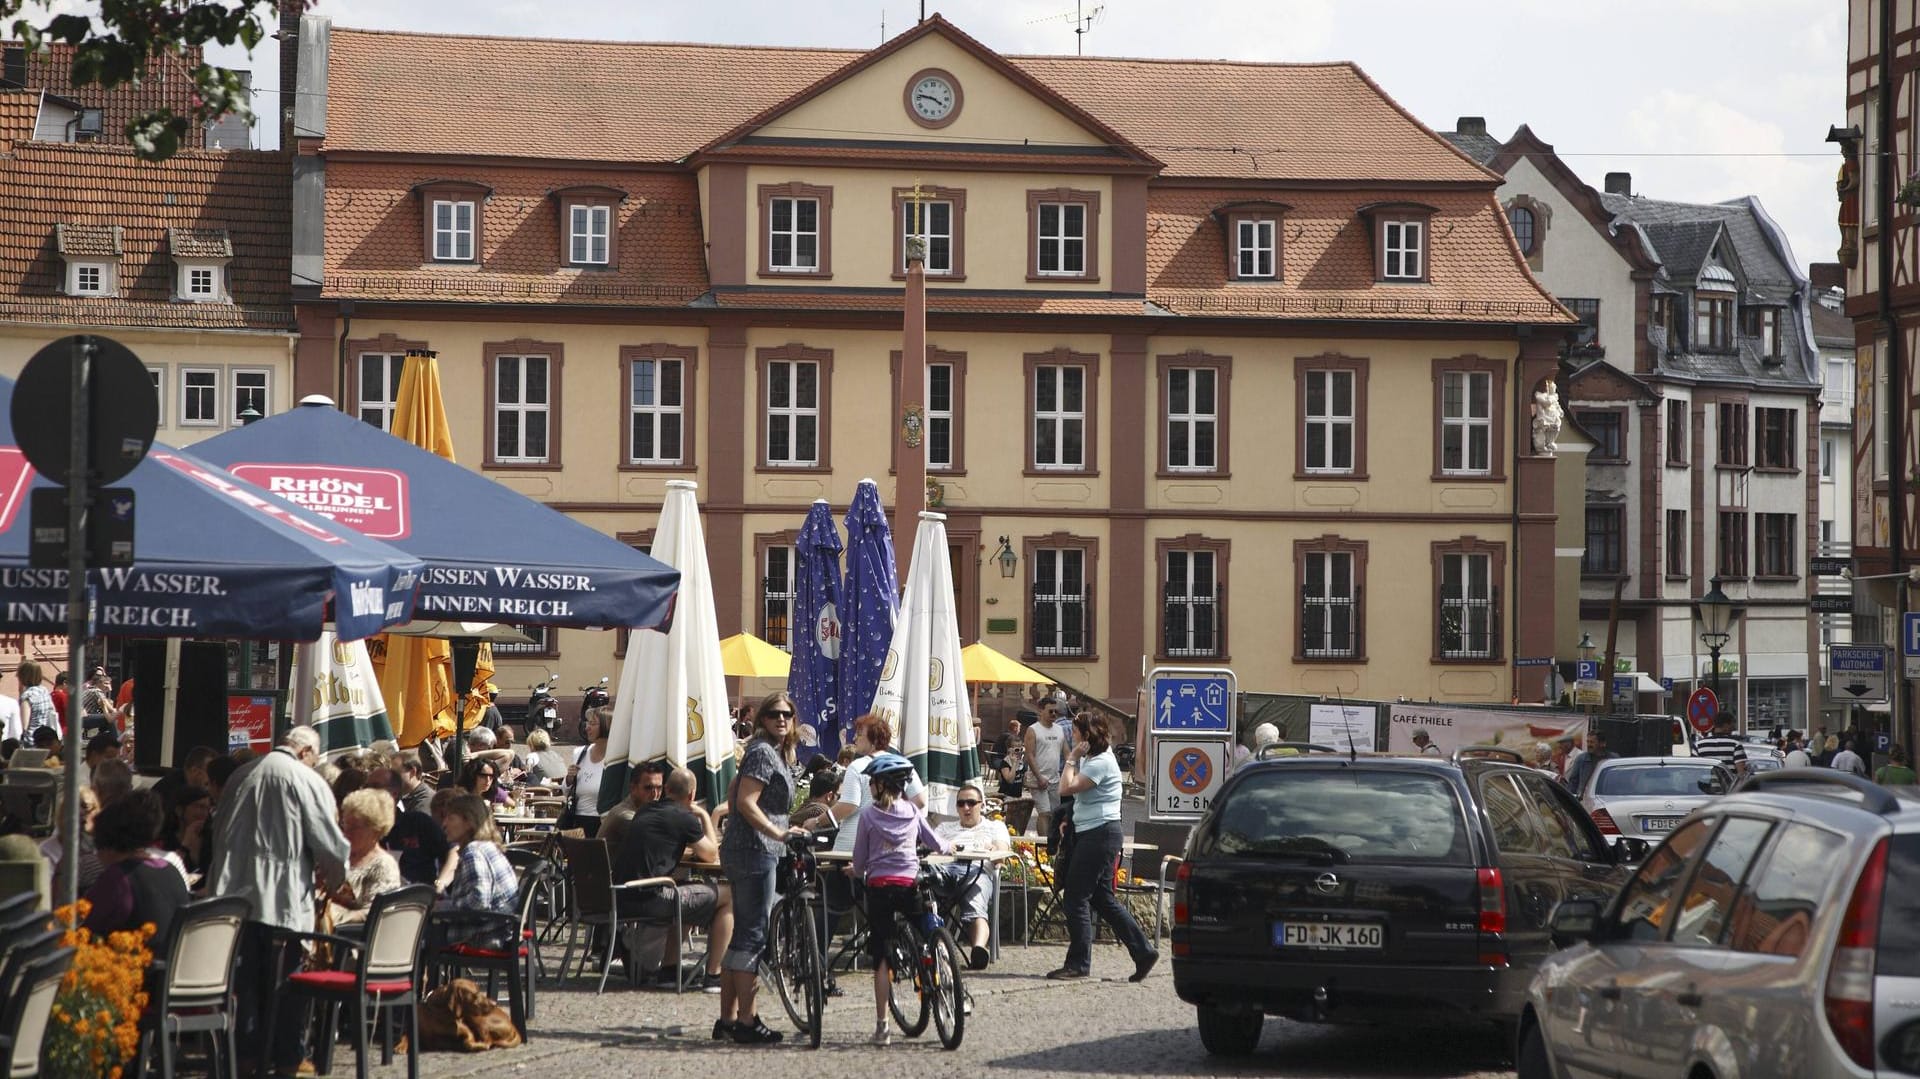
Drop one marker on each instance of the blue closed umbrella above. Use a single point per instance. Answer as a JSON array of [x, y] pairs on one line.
[[814, 680], [214, 556], [870, 600]]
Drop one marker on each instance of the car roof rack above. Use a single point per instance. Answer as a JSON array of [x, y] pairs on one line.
[[1272, 750], [1473, 752], [1874, 798]]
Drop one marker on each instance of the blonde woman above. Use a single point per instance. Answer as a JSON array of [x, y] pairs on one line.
[[365, 817]]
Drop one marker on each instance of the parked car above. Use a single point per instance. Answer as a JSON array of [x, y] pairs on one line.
[[1346, 888], [1775, 933], [1648, 796]]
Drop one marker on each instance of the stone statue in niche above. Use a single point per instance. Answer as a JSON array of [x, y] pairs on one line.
[[1547, 419]]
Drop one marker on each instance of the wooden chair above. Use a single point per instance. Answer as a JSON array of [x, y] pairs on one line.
[[593, 904], [384, 976], [29, 1010], [1019, 814], [191, 982], [1158, 846]]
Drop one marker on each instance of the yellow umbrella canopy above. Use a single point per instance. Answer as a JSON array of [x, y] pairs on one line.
[[745, 656], [417, 676], [982, 664]]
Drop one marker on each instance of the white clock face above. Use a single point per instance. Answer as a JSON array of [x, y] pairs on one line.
[[933, 98]]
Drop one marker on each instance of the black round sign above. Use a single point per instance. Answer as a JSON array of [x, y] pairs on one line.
[[122, 409]]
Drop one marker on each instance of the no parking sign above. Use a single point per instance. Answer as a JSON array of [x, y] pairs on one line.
[[1186, 774]]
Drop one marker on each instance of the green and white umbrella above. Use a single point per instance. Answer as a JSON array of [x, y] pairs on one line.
[[923, 683]]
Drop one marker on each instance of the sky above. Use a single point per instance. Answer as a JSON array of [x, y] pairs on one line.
[[1701, 100]]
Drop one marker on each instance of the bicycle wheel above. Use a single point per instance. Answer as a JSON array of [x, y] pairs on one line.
[[809, 971], [948, 991], [780, 967], [909, 1003]]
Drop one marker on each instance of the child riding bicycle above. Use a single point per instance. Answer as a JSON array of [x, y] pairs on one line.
[[886, 857]]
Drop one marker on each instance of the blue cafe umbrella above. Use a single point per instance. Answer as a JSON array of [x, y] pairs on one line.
[[214, 556], [814, 680], [492, 554], [870, 598]]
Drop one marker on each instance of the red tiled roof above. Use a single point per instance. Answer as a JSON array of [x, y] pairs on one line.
[[1327, 262], [651, 102], [98, 187], [19, 111], [958, 159], [938, 300], [376, 246], [169, 85], [199, 243], [87, 241]]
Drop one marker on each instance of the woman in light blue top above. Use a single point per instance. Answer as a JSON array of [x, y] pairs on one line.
[[1092, 777]]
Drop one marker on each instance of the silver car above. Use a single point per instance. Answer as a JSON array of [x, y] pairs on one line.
[[1648, 796], [1776, 932]]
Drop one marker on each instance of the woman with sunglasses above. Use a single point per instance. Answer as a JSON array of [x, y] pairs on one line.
[[483, 778], [974, 831], [756, 836]]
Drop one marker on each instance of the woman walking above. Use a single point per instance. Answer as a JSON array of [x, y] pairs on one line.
[[1092, 777], [756, 835]]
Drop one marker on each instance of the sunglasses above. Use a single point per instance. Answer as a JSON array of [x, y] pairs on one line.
[[781, 714], [486, 775], [964, 803]]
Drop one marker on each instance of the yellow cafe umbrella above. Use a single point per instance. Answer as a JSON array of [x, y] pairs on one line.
[[417, 677], [745, 656], [478, 692], [982, 664]]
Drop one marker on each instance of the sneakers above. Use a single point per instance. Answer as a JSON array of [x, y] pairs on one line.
[[723, 1029], [882, 1035], [1066, 974], [834, 990], [1142, 966], [978, 959], [755, 1033], [707, 983]]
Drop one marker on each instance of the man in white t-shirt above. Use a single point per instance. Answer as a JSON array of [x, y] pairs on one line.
[[974, 831], [1047, 743]]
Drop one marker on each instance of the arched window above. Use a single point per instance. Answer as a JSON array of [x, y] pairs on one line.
[[1521, 218]]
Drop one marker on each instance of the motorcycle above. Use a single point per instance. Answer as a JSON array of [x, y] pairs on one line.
[[592, 697], [543, 711]]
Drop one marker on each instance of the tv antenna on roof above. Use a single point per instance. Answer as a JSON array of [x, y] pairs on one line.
[[1082, 22]]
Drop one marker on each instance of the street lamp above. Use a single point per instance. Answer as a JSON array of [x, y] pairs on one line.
[[1588, 650], [1006, 558], [1716, 616]]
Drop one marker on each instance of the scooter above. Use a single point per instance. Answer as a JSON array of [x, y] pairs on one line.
[[592, 697], [543, 712]]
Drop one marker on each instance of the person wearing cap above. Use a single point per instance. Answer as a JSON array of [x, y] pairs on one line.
[[491, 718], [1423, 742]]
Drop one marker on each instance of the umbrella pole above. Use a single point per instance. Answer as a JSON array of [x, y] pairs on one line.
[[78, 494]]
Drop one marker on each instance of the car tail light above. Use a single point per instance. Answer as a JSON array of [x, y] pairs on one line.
[[1849, 1001], [1180, 878], [1603, 820], [1493, 902]]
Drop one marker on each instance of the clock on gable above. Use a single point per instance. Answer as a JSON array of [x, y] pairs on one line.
[[933, 98]]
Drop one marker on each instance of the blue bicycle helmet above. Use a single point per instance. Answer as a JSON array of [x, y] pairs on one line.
[[886, 765]]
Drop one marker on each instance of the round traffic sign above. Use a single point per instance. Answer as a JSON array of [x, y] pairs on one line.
[[1702, 707], [122, 409], [1190, 769]]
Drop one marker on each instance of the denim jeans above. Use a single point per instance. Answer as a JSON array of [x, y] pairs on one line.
[[1088, 887], [751, 876]]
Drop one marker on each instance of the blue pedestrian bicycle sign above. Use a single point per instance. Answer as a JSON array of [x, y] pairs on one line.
[[1192, 701]]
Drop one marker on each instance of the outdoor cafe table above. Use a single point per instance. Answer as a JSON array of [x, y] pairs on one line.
[[512, 824]]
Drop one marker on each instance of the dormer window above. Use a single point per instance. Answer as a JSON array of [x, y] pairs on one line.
[[1713, 309], [200, 258], [199, 283], [452, 213], [1252, 232], [1763, 326], [1399, 234], [89, 279], [587, 229], [589, 225], [92, 257]]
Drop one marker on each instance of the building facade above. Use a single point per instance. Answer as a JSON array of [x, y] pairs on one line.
[[1184, 404], [1696, 377], [1833, 336]]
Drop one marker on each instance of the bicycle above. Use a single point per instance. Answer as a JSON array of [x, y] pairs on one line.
[[793, 962], [926, 961]]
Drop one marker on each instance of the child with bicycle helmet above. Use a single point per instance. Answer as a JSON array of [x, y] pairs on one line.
[[886, 856]]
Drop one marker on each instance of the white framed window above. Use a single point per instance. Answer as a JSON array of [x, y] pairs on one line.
[[1328, 602], [1467, 608], [1466, 423], [940, 415], [1060, 602], [935, 235], [793, 413], [793, 234], [656, 414], [251, 388], [1254, 248], [1190, 605], [1403, 250], [1330, 421], [199, 396], [200, 282], [380, 386], [522, 393], [1059, 416], [1062, 246], [1193, 419], [778, 590], [589, 229], [453, 230], [89, 279]]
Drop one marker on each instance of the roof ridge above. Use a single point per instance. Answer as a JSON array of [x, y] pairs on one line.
[[1435, 136], [525, 38], [1185, 61]]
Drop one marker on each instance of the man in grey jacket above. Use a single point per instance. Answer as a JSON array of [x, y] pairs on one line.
[[277, 834]]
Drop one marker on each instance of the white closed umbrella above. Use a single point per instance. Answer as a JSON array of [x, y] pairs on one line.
[[337, 693], [923, 683], [672, 702]]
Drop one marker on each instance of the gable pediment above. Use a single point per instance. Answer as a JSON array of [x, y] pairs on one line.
[[1604, 382]]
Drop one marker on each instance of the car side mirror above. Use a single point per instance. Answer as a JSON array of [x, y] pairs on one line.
[[1631, 850], [1712, 785], [1574, 920]]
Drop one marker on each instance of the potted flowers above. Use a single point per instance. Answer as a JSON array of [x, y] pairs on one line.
[[95, 1029]]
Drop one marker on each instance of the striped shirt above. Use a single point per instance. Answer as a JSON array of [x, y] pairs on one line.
[[1721, 747]]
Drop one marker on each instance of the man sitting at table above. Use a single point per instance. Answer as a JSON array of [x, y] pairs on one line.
[[645, 783], [974, 831], [659, 836]]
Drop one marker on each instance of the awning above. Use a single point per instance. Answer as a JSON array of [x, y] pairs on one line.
[[1644, 684]]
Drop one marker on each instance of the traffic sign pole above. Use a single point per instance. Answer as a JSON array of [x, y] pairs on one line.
[[77, 492]]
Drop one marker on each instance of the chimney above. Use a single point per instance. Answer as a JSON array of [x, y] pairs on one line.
[[289, 35], [1828, 275], [1620, 183], [13, 65], [1470, 125]]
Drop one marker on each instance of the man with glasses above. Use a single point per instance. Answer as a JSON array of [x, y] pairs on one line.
[[648, 783], [974, 831]]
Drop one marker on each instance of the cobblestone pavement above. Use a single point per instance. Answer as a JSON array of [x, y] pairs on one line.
[[1021, 1025]]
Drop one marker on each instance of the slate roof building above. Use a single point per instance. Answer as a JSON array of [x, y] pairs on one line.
[[1698, 379], [1227, 362]]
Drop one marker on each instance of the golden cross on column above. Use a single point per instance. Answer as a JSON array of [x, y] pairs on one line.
[[917, 235]]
